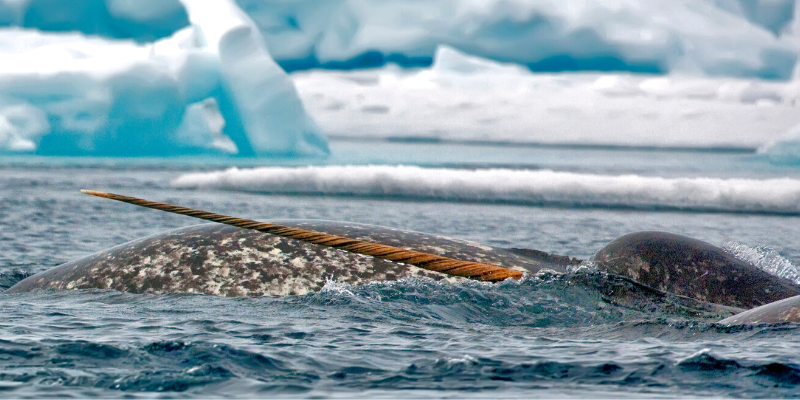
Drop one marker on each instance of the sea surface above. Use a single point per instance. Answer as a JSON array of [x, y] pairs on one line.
[[540, 337]]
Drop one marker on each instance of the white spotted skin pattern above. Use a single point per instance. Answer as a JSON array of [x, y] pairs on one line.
[[222, 260]]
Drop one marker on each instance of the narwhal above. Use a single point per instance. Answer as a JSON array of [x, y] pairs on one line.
[[241, 257]]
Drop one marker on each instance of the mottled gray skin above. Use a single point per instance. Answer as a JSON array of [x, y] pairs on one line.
[[222, 260], [693, 268], [786, 310]]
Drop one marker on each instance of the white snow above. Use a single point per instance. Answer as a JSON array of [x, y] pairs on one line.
[[744, 38], [68, 93], [467, 98], [537, 187]]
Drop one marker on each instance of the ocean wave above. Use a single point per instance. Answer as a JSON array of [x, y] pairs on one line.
[[525, 187]]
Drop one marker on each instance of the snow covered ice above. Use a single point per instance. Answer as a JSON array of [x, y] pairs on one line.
[[118, 77], [467, 98]]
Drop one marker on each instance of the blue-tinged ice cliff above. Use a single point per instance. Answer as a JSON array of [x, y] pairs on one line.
[[74, 87]]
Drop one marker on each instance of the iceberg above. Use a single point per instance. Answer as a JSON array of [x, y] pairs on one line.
[[739, 38], [210, 87], [467, 98]]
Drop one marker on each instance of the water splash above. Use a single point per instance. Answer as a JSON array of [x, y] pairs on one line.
[[332, 286], [766, 258], [585, 267]]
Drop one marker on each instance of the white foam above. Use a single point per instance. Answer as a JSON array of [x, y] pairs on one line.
[[538, 187], [468, 98]]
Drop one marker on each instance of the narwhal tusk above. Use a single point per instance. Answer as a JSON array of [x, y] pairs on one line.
[[431, 262]]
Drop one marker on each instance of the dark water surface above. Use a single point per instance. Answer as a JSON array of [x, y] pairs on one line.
[[542, 337]]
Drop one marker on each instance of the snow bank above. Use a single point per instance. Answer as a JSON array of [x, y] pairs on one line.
[[743, 38], [211, 87], [541, 187], [468, 98]]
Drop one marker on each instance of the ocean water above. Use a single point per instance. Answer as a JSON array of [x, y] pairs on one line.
[[540, 337]]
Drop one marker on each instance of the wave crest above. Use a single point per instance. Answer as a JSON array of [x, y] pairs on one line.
[[525, 187]]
